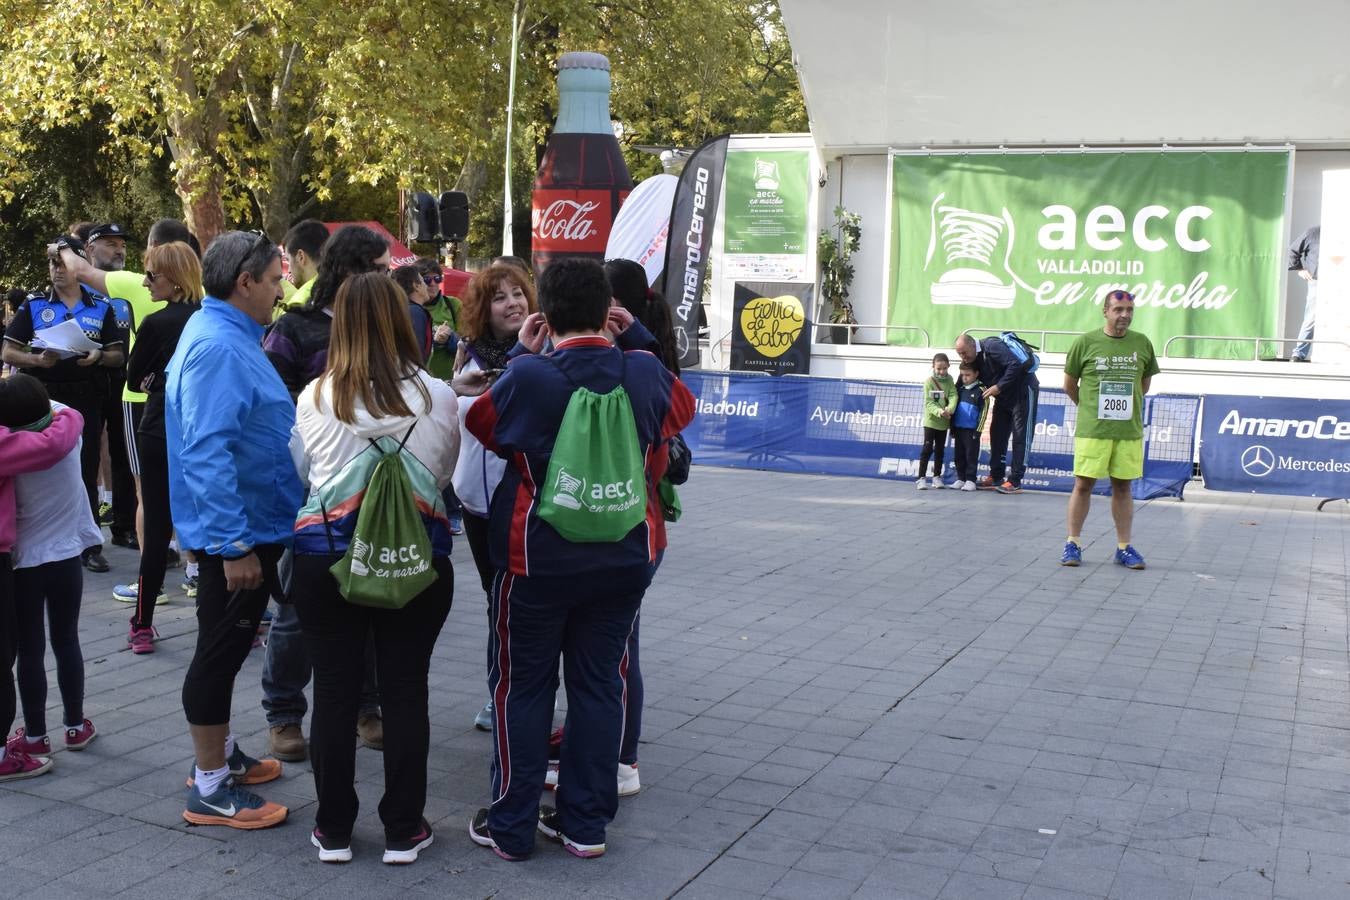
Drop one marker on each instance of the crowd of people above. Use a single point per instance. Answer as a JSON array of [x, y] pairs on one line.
[[316, 440]]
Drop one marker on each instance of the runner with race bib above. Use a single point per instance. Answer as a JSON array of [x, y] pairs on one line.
[[1107, 373]]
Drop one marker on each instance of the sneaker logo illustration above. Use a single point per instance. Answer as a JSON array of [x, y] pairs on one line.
[[568, 490], [766, 175], [969, 242], [360, 557]]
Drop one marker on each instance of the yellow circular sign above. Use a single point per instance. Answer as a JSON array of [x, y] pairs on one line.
[[772, 324]]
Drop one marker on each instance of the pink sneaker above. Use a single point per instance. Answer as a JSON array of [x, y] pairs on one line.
[[141, 640], [79, 738], [17, 765], [22, 743]]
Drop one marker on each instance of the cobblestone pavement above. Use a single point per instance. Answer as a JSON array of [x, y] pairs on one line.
[[853, 690]]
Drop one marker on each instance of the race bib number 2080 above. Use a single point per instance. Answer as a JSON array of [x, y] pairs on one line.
[[1115, 401]]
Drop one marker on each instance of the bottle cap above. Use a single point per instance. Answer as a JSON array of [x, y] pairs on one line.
[[581, 60]]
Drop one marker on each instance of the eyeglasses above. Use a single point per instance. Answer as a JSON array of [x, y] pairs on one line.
[[261, 240], [1120, 295], [151, 276], [429, 280]]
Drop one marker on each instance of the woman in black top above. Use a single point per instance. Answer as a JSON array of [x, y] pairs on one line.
[[173, 274]]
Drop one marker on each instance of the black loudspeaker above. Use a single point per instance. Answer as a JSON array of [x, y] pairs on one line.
[[454, 216], [423, 222]]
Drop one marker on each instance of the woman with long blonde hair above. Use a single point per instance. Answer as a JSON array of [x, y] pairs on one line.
[[173, 275], [373, 398]]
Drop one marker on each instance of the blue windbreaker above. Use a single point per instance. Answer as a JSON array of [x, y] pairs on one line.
[[228, 419]]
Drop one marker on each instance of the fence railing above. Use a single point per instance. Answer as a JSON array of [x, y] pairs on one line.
[[1256, 342], [840, 333]]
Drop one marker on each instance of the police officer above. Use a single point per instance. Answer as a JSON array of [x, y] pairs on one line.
[[80, 382], [106, 248]]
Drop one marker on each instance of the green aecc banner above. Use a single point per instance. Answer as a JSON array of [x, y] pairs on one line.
[[1032, 241]]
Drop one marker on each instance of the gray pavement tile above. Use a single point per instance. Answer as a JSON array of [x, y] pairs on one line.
[[801, 885]]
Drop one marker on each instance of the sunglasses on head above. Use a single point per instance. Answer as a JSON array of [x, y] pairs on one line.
[[260, 240], [1120, 295], [429, 280]]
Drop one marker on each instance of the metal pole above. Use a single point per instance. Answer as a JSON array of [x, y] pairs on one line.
[[507, 225]]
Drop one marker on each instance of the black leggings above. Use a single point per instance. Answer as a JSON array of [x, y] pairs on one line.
[[154, 457], [86, 398], [934, 445], [227, 622], [7, 643], [56, 588], [476, 530]]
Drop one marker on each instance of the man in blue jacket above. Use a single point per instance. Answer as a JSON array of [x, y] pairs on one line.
[[1010, 379], [234, 492]]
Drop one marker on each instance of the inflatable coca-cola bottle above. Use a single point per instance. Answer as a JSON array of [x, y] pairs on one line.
[[582, 178]]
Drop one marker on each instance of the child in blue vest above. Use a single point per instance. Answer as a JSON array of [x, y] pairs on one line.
[[967, 424]]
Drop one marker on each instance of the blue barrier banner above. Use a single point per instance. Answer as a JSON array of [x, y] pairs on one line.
[[874, 429], [1276, 445]]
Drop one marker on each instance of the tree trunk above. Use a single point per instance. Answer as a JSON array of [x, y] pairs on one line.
[[198, 185]]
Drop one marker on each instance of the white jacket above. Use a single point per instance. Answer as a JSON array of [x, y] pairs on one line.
[[478, 472], [321, 445]]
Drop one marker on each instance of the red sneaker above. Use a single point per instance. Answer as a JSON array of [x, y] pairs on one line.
[[985, 484], [22, 743], [79, 738], [17, 765], [141, 640]]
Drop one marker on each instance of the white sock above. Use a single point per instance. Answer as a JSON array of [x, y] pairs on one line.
[[104, 496], [192, 569], [173, 544], [208, 783], [34, 738], [229, 745]]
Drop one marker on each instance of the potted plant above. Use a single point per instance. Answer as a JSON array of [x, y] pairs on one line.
[[836, 271]]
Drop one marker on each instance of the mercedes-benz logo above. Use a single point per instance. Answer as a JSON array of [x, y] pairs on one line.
[[682, 342], [1258, 461]]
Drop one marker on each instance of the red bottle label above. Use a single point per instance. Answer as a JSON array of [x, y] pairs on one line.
[[566, 221]]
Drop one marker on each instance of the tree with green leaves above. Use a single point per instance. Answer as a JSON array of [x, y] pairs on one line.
[[267, 111]]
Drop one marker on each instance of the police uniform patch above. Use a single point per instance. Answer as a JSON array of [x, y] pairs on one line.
[[48, 315]]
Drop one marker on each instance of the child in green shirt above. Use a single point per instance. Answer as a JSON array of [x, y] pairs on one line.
[[939, 402]]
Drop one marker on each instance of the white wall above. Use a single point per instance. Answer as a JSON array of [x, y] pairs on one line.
[[880, 73]]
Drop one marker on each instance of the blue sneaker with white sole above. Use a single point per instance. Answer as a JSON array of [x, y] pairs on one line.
[[1129, 558], [129, 593], [1072, 555]]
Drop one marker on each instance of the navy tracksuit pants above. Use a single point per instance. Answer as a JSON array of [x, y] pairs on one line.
[[1014, 416], [587, 619]]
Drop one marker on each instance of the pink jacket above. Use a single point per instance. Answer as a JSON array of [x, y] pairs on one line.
[[32, 451]]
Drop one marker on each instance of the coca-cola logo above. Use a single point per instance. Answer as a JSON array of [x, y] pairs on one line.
[[567, 220]]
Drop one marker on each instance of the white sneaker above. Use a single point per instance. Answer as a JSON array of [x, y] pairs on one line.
[[937, 484], [968, 486], [628, 780], [921, 484], [958, 485]]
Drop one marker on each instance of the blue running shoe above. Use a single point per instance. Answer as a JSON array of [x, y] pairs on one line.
[[1129, 558], [1072, 556]]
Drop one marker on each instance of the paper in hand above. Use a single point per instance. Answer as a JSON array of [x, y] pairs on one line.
[[66, 339]]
